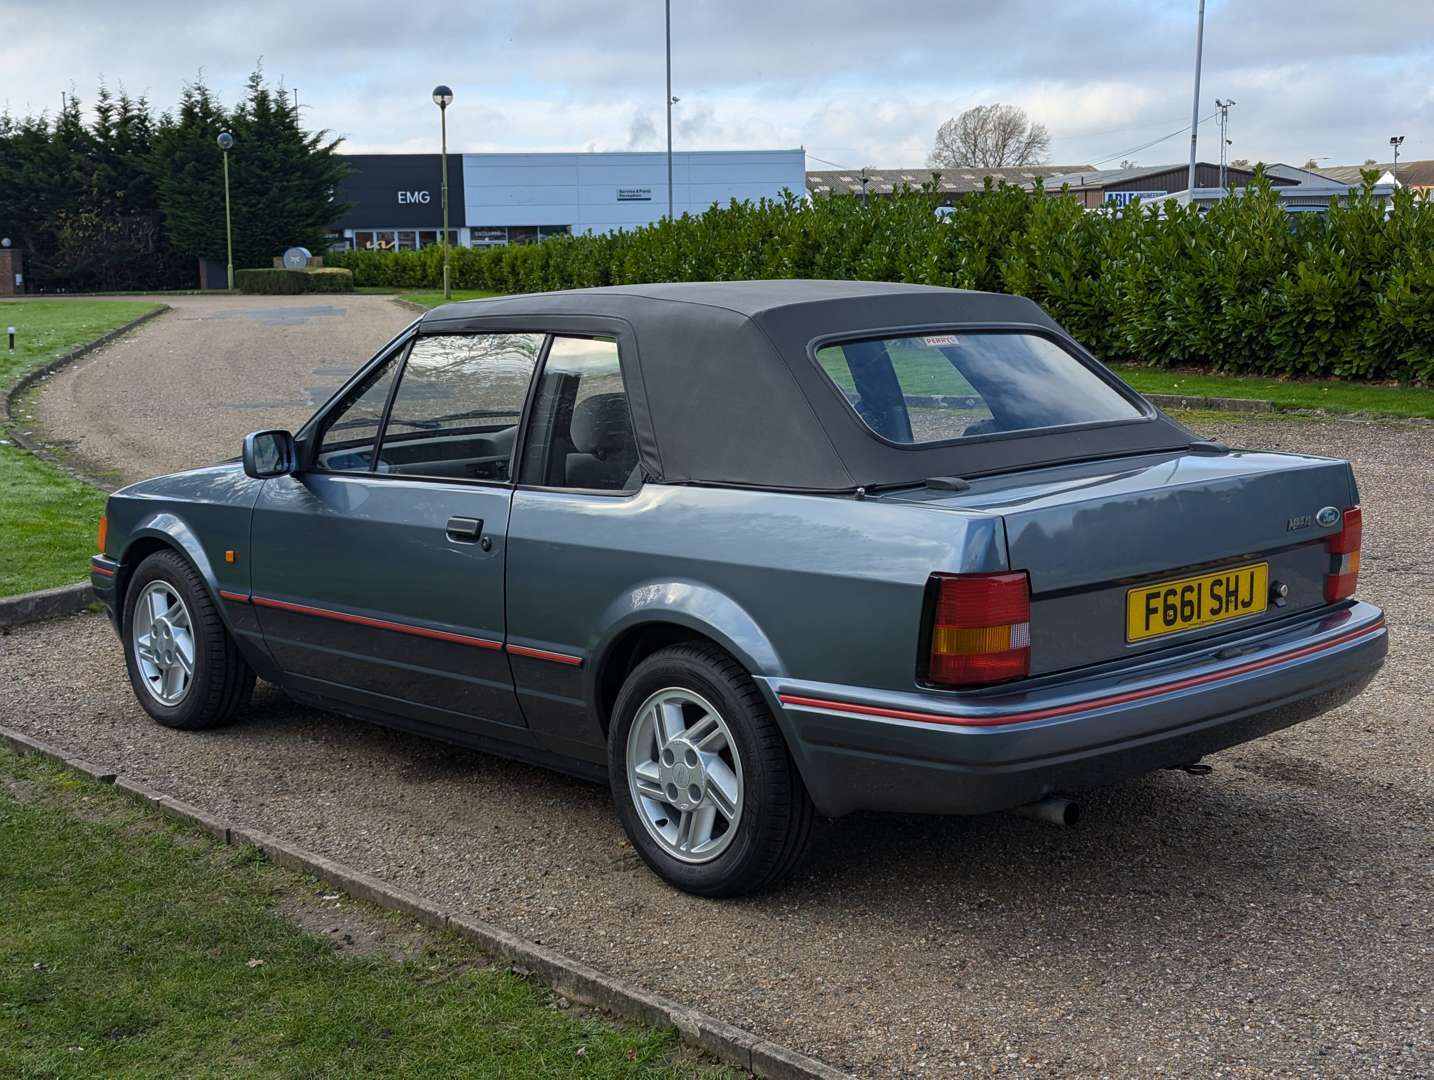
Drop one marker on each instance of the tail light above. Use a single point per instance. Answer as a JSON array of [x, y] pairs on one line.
[[980, 629], [1344, 557], [104, 533]]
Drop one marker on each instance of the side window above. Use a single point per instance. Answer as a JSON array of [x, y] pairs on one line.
[[581, 431], [350, 431], [456, 412]]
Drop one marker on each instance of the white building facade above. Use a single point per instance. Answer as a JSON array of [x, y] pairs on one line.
[[499, 199]]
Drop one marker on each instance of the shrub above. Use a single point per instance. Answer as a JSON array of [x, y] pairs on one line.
[[281, 282], [1242, 287]]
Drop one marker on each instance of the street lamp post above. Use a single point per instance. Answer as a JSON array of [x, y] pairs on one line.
[[1195, 107], [1396, 141], [443, 97], [670, 101], [226, 141]]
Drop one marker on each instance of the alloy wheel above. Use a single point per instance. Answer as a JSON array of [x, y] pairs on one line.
[[162, 637], [685, 775]]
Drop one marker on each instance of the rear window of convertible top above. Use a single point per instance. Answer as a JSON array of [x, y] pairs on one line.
[[934, 387]]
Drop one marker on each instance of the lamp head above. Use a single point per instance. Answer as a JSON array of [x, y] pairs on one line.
[[442, 96], [226, 141]]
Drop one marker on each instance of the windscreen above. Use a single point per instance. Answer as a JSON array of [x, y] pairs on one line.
[[931, 388]]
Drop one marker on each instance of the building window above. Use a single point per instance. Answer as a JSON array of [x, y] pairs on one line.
[[481, 236]]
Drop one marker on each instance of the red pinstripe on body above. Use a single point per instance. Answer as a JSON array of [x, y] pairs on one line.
[[379, 624], [1081, 706], [544, 654]]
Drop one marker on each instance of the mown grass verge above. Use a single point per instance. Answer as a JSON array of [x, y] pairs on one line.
[[1374, 399], [132, 946], [432, 298], [47, 517]]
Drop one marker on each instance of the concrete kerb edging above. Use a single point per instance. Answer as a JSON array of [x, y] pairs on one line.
[[1220, 404], [45, 604], [571, 978], [29, 379]]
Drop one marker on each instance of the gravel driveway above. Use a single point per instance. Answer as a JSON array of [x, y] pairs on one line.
[[184, 389], [1273, 919]]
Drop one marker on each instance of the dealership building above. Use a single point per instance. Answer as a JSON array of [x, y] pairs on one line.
[[496, 199]]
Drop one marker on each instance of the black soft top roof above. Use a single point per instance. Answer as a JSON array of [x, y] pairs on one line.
[[725, 389]]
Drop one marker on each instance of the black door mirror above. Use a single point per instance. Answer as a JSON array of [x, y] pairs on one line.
[[269, 453]]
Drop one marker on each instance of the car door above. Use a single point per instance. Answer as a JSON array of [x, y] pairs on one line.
[[378, 570], [580, 474]]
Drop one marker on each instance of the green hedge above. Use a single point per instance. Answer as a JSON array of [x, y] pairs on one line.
[[279, 282], [1245, 287]]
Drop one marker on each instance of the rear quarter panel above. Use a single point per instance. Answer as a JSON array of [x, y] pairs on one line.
[[818, 587]]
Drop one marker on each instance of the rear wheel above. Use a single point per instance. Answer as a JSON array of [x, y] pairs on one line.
[[701, 776], [185, 668]]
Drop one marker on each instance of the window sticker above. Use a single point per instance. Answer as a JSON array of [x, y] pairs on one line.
[[939, 340]]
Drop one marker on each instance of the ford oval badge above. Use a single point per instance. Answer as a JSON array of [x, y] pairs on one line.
[[1327, 516]]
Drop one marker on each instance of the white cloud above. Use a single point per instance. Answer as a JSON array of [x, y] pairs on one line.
[[855, 82]]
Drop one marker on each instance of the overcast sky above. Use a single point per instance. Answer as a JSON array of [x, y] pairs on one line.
[[856, 83]]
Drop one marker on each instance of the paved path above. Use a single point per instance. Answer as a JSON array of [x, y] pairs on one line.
[[1273, 919], [185, 388]]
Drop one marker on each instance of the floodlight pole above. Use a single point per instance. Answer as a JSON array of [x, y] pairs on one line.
[[1224, 107], [668, 7], [1195, 108]]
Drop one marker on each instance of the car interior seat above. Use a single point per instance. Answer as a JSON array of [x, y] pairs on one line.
[[606, 449]]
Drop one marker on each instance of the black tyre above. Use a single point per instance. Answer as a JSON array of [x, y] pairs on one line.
[[185, 669], [701, 776]]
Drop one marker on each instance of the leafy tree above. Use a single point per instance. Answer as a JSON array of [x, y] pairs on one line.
[[990, 136]]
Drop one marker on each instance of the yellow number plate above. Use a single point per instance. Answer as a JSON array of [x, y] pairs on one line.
[[1190, 603]]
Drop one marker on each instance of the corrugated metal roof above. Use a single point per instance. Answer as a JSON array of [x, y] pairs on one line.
[[1411, 173]]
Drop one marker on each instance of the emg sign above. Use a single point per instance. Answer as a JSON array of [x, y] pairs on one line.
[[413, 198]]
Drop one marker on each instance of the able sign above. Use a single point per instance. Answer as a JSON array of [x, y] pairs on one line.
[[1121, 199]]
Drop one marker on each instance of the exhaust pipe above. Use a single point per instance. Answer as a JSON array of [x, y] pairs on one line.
[[1053, 809]]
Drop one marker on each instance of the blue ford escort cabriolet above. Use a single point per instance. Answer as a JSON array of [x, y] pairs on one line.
[[753, 551]]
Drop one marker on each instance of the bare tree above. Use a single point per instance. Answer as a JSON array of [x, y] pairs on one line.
[[990, 136], [1240, 162], [1310, 164]]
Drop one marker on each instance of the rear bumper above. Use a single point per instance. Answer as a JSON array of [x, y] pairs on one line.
[[972, 753]]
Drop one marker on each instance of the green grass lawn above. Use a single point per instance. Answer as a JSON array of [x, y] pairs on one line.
[[48, 518], [47, 524], [134, 947], [431, 298], [46, 328], [1340, 397]]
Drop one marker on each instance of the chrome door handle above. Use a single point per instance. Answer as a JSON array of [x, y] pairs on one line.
[[465, 530]]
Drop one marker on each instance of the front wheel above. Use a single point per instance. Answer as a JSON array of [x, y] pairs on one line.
[[701, 776], [184, 666]]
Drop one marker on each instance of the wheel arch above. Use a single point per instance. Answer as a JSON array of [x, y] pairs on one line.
[[656, 615], [159, 532]]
